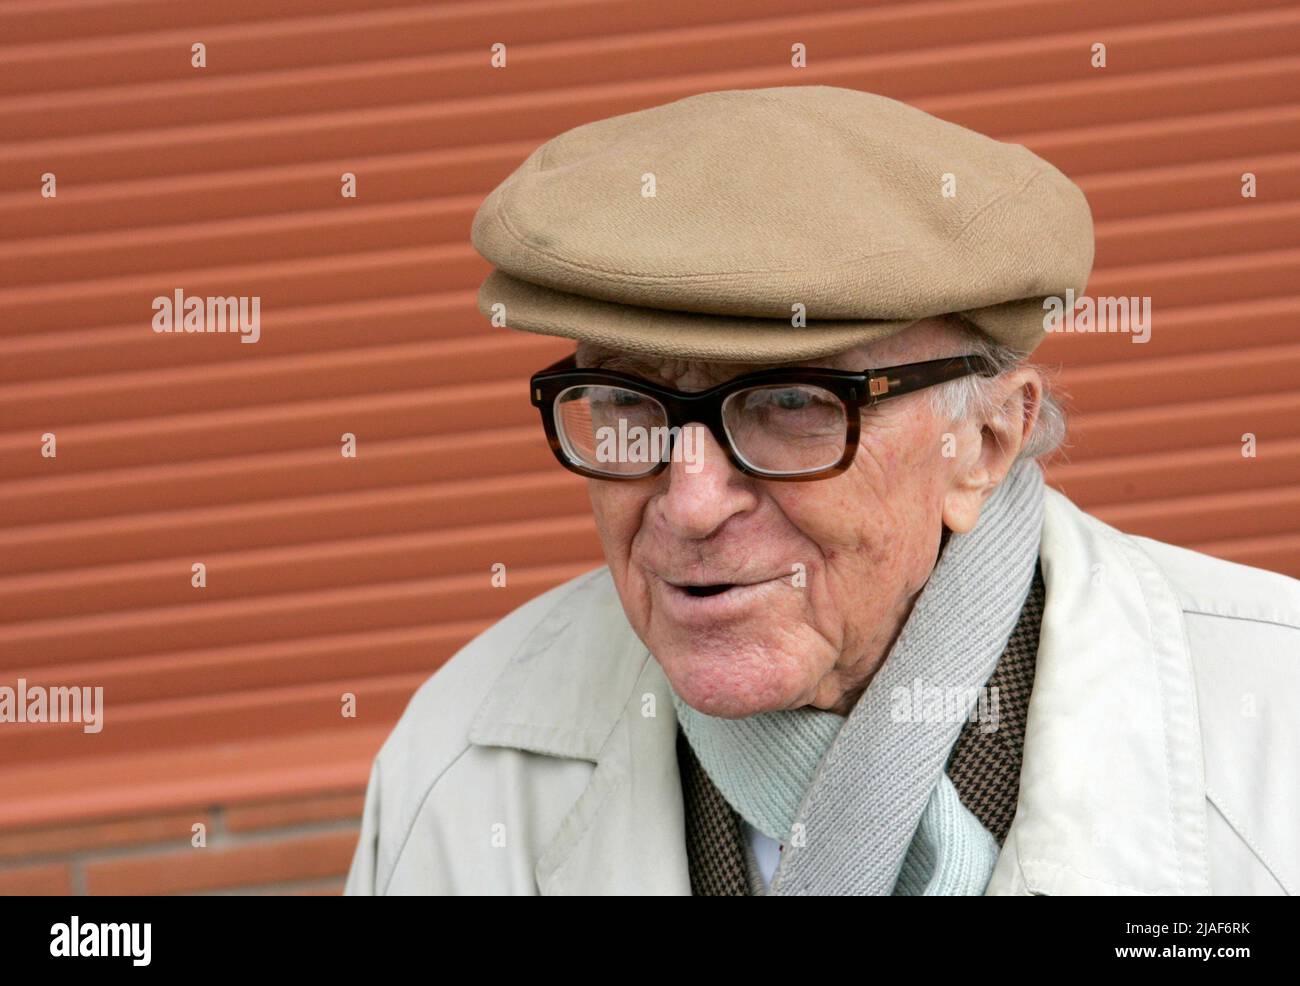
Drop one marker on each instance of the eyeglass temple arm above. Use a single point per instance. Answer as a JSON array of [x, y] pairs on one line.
[[895, 381]]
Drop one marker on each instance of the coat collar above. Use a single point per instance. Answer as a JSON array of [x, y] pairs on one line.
[[1112, 792], [569, 681]]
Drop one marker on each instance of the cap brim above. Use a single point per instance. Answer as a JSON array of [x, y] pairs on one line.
[[670, 334]]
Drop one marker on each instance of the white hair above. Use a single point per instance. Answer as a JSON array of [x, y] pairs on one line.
[[972, 396]]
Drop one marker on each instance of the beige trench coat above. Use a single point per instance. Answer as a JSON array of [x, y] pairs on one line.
[[1162, 752]]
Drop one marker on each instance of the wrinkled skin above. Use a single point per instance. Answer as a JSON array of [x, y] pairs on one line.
[[867, 539]]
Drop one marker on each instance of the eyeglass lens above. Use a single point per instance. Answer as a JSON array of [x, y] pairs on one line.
[[779, 429]]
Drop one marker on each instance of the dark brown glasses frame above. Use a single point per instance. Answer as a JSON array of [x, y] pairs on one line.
[[865, 388]]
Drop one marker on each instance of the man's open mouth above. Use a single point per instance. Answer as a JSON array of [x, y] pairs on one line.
[[707, 590]]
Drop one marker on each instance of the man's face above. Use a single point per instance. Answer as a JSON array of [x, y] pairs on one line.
[[823, 573]]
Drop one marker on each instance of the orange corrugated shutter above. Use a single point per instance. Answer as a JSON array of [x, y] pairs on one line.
[[328, 575]]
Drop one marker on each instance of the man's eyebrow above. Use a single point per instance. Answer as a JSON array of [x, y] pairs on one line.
[[630, 363], [649, 367], [623, 362]]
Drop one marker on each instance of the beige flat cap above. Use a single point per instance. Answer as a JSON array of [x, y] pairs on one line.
[[696, 228]]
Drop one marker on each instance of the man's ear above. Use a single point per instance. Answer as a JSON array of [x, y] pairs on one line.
[[986, 458]]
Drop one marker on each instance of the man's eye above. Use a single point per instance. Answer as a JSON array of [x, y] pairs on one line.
[[625, 398], [792, 400], [787, 399]]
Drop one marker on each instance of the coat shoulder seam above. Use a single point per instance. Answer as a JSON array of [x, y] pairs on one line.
[[1286, 624]]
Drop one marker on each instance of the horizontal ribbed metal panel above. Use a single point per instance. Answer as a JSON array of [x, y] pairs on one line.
[[328, 575]]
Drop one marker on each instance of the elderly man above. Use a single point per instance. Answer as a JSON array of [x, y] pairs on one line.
[[846, 641]]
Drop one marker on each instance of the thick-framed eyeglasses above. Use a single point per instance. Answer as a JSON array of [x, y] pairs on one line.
[[788, 423]]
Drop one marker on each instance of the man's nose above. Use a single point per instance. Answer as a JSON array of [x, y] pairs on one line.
[[703, 489]]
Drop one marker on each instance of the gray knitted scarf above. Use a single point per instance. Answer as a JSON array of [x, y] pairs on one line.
[[849, 797]]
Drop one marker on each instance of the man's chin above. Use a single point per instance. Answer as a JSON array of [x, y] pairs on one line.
[[731, 707], [720, 689]]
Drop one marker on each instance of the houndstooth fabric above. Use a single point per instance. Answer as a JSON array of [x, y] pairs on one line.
[[983, 766], [714, 833]]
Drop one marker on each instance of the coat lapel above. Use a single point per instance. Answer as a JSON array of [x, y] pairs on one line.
[[583, 686], [626, 834], [1112, 793]]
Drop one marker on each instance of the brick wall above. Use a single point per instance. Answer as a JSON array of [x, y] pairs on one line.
[[300, 846]]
